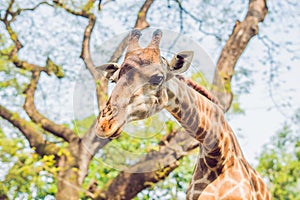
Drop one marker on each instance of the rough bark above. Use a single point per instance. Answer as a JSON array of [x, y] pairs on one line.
[[234, 47]]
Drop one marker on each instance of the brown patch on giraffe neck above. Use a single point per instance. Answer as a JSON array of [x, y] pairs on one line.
[[200, 89]]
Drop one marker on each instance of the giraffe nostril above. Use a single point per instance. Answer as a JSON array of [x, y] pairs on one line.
[[102, 127]]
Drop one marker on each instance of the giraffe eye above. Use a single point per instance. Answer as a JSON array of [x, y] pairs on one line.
[[156, 79]]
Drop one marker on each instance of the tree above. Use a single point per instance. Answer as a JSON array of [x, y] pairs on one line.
[[280, 160], [58, 153]]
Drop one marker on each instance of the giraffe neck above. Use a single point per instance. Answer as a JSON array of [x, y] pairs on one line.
[[204, 121], [198, 115]]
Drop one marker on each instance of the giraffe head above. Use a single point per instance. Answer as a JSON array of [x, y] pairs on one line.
[[141, 84]]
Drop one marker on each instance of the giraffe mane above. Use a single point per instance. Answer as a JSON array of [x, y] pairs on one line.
[[200, 89]]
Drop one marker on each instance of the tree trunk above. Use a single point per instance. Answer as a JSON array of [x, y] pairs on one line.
[[68, 182]]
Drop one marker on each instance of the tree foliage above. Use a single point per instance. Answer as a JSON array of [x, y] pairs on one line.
[[28, 175], [280, 163]]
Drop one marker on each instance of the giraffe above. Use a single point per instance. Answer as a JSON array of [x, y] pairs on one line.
[[146, 83]]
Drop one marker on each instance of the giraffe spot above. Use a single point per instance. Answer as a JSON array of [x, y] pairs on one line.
[[132, 98], [212, 176], [224, 187], [226, 144], [235, 145], [200, 186], [255, 182], [259, 196], [200, 130], [200, 169], [220, 168], [230, 162], [261, 184], [175, 110], [170, 94], [215, 152], [211, 162], [186, 114], [179, 115], [221, 135], [146, 62], [222, 120], [190, 120], [244, 173], [208, 196], [193, 124], [210, 142], [124, 70], [184, 106], [139, 114], [216, 116], [194, 196], [200, 134], [204, 122]]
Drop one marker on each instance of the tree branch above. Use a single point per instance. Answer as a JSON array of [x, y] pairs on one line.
[[85, 49], [82, 13], [146, 172], [25, 65], [35, 139], [30, 108], [234, 47], [12, 34], [18, 45], [89, 145], [195, 18], [141, 22]]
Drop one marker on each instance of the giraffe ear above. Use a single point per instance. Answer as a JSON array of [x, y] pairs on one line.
[[109, 70], [181, 62]]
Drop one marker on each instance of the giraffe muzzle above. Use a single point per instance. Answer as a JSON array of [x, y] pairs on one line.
[[108, 125]]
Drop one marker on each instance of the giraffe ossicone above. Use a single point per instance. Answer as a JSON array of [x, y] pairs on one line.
[[147, 83]]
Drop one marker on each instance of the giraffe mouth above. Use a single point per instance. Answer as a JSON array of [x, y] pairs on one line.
[[117, 133], [106, 131]]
